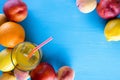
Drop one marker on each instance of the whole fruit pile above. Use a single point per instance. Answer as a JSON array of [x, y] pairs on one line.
[[106, 9], [11, 34]]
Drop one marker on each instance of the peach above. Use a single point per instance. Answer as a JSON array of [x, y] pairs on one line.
[[11, 34], [3, 19], [86, 6], [21, 75], [65, 73], [7, 76], [15, 10]]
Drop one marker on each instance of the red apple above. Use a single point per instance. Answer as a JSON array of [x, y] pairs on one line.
[[108, 9], [15, 10], [43, 71], [65, 73]]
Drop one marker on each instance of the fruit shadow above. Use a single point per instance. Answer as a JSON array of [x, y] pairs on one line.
[[1, 72], [74, 1], [1, 47], [96, 21], [56, 55], [34, 29]]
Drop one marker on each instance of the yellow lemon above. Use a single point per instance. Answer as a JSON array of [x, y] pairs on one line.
[[5, 60], [112, 30]]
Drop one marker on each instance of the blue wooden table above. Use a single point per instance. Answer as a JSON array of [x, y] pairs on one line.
[[79, 40]]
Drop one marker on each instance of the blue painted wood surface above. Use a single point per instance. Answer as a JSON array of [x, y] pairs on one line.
[[79, 40]]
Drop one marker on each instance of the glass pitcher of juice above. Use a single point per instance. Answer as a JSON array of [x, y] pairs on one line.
[[21, 52]]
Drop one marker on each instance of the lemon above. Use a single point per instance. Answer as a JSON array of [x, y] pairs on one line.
[[5, 60], [112, 30]]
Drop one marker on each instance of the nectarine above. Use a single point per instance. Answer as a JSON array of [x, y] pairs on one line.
[[108, 9], [15, 10], [3, 19], [65, 73], [11, 34], [86, 6], [44, 71]]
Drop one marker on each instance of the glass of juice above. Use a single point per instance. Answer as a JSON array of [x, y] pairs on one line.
[[21, 52]]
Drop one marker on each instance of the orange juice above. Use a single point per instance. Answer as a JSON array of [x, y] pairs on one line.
[[21, 52]]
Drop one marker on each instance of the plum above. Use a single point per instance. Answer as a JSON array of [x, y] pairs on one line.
[[108, 9]]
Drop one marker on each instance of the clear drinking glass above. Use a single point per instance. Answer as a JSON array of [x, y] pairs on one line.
[[20, 54]]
